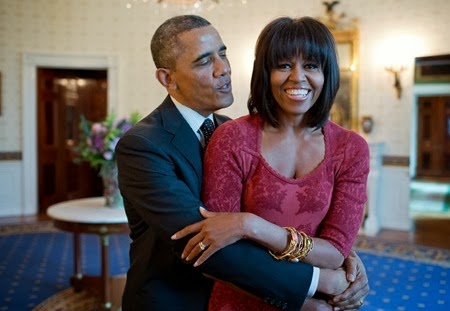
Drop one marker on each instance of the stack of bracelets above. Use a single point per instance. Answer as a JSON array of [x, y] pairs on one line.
[[299, 246]]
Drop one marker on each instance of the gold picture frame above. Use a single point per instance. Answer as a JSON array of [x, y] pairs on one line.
[[345, 107]]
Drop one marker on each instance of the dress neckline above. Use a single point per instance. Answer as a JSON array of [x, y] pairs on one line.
[[266, 164]]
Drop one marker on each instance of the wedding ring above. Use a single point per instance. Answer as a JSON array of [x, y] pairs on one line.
[[201, 245]]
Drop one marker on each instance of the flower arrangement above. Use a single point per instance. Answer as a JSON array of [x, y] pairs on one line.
[[97, 145], [99, 139]]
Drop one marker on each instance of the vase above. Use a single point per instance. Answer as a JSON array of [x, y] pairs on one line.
[[111, 192]]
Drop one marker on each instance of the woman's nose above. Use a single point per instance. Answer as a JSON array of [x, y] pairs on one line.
[[298, 74]]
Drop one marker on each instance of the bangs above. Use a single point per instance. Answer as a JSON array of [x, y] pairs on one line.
[[297, 39]]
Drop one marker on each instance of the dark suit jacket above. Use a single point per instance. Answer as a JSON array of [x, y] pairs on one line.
[[160, 175]]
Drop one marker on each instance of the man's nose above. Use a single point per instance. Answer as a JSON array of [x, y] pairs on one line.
[[222, 67]]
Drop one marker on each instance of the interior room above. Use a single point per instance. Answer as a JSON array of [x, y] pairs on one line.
[[394, 57]]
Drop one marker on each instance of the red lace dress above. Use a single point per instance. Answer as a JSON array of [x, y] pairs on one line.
[[327, 203]]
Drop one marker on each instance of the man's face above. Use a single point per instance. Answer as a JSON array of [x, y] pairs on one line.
[[202, 75]]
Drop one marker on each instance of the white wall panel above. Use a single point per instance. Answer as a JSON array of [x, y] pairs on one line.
[[10, 188], [394, 198]]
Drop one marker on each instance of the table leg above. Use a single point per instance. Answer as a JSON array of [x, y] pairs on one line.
[[77, 275], [104, 239]]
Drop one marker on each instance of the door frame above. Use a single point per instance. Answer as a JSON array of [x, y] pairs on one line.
[[30, 63]]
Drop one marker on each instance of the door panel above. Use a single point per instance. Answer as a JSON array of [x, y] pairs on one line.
[[63, 95], [433, 139]]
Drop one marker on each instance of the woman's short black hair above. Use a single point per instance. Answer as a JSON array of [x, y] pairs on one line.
[[285, 38]]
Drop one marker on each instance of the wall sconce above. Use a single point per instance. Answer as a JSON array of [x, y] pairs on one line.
[[396, 70]]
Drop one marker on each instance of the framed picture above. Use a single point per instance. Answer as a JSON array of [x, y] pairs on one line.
[[345, 107], [432, 69]]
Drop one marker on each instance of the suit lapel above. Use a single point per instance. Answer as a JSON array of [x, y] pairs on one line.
[[184, 139]]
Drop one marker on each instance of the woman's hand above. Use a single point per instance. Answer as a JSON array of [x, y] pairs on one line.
[[216, 231], [353, 297]]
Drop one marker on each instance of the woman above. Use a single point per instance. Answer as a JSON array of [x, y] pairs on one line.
[[301, 179]]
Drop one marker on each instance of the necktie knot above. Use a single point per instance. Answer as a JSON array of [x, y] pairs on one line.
[[207, 130]]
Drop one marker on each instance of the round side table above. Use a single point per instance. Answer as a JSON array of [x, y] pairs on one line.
[[89, 215]]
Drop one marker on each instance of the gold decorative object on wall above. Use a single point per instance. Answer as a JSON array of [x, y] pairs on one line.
[[396, 70], [345, 32]]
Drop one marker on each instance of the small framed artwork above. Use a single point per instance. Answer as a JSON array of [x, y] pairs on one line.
[[432, 69]]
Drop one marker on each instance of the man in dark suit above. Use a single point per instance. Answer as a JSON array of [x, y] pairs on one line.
[[160, 174]]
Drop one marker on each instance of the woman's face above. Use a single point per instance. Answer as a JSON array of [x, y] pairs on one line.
[[296, 84]]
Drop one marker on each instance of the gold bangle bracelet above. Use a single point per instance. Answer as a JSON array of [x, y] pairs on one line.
[[290, 248]]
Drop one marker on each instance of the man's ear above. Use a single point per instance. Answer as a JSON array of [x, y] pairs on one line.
[[164, 76]]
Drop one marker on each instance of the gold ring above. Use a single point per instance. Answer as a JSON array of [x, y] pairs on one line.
[[201, 245]]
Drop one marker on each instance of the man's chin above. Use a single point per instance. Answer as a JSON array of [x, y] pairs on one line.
[[226, 102]]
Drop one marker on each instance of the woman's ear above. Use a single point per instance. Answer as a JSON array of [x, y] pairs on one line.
[[164, 76]]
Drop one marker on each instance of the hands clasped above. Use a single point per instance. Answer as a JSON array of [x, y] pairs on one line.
[[353, 297]]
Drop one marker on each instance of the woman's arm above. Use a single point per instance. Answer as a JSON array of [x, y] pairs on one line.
[[218, 230], [221, 229], [228, 162], [343, 219]]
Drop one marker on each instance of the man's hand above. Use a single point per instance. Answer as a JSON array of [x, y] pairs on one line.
[[353, 297]]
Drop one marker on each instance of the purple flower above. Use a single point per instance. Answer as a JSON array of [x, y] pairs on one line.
[[98, 128], [98, 142], [126, 127], [99, 139]]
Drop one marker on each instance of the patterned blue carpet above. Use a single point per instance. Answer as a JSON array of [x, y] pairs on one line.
[[35, 266], [399, 284]]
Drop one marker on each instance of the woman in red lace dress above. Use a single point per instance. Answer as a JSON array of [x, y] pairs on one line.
[[286, 164]]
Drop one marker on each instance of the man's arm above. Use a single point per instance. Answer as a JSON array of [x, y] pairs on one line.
[[160, 187]]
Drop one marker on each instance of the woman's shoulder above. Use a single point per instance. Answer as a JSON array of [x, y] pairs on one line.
[[241, 126], [336, 130], [340, 136], [242, 133]]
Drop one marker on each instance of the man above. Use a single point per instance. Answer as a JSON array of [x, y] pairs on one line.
[[160, 173]]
